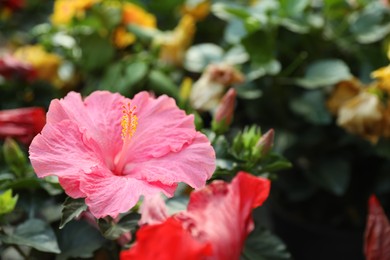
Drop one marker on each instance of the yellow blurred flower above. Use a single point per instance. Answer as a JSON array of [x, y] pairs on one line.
[[123, 38], [185, 89], [343, 91], [174, 44], [363, 110], [197, 9], [132, 14], [46, 64], [382, 76], [65, 10], [363, 115]]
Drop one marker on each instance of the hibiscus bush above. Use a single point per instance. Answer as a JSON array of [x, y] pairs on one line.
[[134, 129]]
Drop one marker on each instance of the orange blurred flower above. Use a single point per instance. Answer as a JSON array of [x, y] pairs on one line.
[[342, 92], [363, 110], [174, 44], [132, 14], [198, 10], [65, 10]]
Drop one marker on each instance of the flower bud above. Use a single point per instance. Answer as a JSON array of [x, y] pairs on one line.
[[224, 113], [266, 142], [244, 144], [14, 157]]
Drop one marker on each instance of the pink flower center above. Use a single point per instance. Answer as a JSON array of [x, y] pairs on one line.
[[129, 124]]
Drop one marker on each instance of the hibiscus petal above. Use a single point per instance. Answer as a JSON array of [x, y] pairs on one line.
[[162, 128], [221, 213], [194, 164], [153, 210], [66, 154], [167, 241], [377, 234], [109, 195], [100, 114]]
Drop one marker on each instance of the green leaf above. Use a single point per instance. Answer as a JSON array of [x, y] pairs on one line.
[[110, 17], [372, 24], [260, 47], [143, 34], [33, 233], [227, 11], [199, 56], [225, 164], [79, 239], [235, 31], [176, 204], [112, 230], [7, 202], [72, 208], [96, 51], [160, 83], [311, 106], [236, 55], [293, 8], [112, 76], [261, 244], [123, 77], [324, 73], [31, 183], [278, 165], [135, 72]]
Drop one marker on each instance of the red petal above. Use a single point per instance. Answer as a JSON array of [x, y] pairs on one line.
[[166, 241], [221, 213], [22, 123], [377, 234]]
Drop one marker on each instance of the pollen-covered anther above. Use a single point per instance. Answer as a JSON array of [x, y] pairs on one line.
[[129, 121]]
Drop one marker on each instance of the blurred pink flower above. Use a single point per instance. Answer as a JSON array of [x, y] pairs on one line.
[[111, 149], [22, 123], [11, 67], [217, 221]]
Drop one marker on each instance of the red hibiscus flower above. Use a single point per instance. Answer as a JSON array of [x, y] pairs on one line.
[[22, 123], [214, 226]]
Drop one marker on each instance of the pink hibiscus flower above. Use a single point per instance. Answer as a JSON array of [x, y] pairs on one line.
[[111, 149], [217, 221]]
